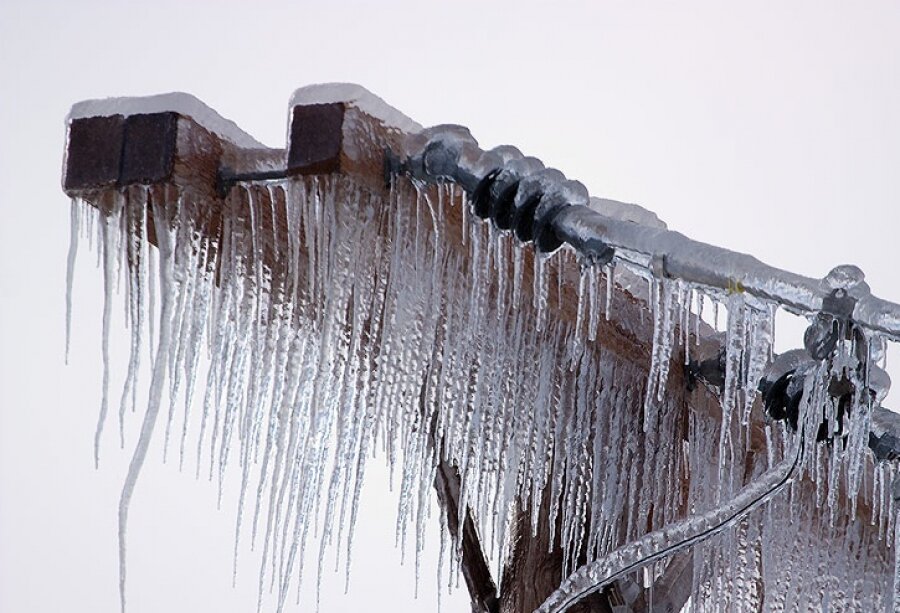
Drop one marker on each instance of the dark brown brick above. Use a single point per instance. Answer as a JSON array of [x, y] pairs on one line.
[[94, 153], [316, 139], [148, 152]]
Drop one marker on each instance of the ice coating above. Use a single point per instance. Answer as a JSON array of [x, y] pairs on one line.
[[357, 96], [626, 211], [697, 262], [176, 102], [316, 362]]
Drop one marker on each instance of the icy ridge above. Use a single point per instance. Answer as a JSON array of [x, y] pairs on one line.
[[358, 96], [176, 102]]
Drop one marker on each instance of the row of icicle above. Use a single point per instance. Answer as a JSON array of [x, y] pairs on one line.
[[313, 324]]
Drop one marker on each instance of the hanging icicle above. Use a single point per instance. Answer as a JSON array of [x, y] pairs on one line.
[[330, 323]]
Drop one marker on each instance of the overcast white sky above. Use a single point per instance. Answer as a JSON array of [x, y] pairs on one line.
[[772, 128]]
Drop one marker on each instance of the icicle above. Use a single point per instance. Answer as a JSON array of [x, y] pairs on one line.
[[152, 277], [688, 300], [734, 342], [895, 599], [610, 284], [594, 305], [464, 211], [757, 348], [662, 302], [109, 221], [74, 229], [186, 269], [157, 382], [500, 241], [135, 234], [200, 315], [578, 335], [541, 287], [664, 344], [442, 554]]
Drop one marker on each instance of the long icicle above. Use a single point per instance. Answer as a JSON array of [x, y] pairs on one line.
[[157, 382], [74, 231], [108, 222]]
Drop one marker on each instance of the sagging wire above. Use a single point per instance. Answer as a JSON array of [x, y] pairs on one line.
[[597, 575]]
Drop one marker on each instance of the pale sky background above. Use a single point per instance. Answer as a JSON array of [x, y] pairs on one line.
[[766, 127]]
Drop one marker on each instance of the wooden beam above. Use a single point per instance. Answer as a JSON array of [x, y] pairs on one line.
[[475, 569]]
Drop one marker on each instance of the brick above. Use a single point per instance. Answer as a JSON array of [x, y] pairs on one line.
[[94, 153], [148, 151], [316, 139]]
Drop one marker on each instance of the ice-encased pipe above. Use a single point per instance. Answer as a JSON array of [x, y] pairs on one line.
[[503, 191], [518, 193], [513, 187]]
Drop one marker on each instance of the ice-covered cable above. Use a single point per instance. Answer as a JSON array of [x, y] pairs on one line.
[[450, 153], [675, 537]]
